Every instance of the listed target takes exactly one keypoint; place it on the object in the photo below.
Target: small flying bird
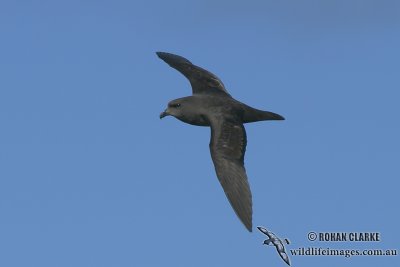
(211, 105)
(274, 240)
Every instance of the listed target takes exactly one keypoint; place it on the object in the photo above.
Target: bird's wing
(228, 146)
(202, 81)
(284, 257)
(263, 230)
(266, 232)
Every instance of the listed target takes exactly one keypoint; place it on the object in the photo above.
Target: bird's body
(211, 105)
(273, 240)
(217, 104)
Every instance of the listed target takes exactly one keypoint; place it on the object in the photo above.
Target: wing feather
(228, 147)
(201, 80)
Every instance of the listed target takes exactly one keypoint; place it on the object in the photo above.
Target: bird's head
(186, 109)
(175, 108)
(267, 242)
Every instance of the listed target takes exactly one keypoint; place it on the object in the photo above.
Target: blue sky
(90, 176)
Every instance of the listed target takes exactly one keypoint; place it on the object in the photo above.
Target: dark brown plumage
(211, 105)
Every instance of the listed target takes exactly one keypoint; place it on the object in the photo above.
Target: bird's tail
(253, 115)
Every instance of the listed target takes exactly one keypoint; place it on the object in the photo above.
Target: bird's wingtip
(277, 117)
(172, 59)
(249, 226)
(263, 230)
(160, 54)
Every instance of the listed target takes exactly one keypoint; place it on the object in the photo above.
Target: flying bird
(211, 105)
(274, 240)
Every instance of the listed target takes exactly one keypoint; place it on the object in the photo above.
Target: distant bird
(276, 242)
(211, 105)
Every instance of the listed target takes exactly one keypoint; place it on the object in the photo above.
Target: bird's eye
(174, 105)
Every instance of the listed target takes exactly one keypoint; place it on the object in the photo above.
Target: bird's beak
(163, 114)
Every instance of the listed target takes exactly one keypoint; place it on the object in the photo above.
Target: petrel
(275, 241)
(211, 105)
